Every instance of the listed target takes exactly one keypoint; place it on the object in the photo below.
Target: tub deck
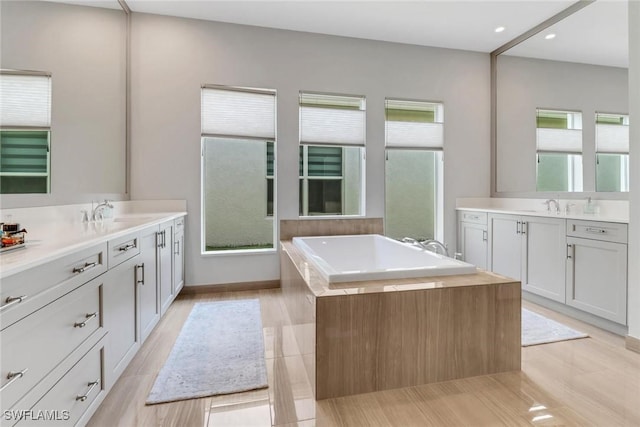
(365, 336)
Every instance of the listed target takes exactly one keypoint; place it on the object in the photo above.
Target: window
(331, 167)
(238, 152)
(612, 152)
(25, 132)
(413, 173)
(559, 150)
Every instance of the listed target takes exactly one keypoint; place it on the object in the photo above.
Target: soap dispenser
(590, 207)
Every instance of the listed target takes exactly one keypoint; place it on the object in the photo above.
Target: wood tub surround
(378, 335)
(290, 228)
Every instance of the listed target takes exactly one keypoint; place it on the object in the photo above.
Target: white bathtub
(374, 257)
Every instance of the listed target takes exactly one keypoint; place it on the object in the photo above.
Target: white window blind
(25, 100)
(559, 131)
(612, 138)
(559, 140)
(332, 119)
(238, 112)
(414, 124)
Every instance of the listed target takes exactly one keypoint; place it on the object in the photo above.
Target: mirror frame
(575, 7)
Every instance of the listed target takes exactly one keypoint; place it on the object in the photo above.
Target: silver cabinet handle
(164, 238)
(127, 247)
(176, 244)
(524, 227)
(85, 267)
(485, 235)
(518, 227)
(140, 267)
(569, 251)
(88, 317)
(9, 301)
(13, 377)
(595, 230)
(91, 386)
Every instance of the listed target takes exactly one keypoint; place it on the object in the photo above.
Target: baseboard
(632, 343)
(224, 287)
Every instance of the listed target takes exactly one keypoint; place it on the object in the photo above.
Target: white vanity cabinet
(597, 268)
(51, 329)
(123, 339)
(70, 324)
(178, 256)
(530, 249)
(473, 237)
(165, 265)
(148, 297)
(505, 245)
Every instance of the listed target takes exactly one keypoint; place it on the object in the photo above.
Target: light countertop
(609, 210)
(58, 238)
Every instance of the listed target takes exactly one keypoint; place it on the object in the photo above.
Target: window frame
(575, 171)
(17, 127)
(624, 178)
(438, 117)
(303, 180)
(242, 252)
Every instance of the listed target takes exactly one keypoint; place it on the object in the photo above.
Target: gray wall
(525, 84)
(84, 50)
(173, 57)
(634, 170)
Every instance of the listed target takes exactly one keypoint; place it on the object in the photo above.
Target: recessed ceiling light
(499, 29)
(550, 36)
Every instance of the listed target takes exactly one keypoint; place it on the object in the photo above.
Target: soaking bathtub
(374, 257)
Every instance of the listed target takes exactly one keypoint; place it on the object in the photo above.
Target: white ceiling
(467, 25)
(597, 34)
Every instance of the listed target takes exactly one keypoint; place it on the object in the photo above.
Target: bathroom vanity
(572, 262)
(359, 337)
(77, 303)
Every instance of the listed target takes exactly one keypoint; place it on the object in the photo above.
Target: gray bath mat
(537, 329)
(220, 350)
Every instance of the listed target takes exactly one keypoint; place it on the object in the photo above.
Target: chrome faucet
(549, 202)
(429, 245)
(435, 246)
(96, 213)
(412, 241)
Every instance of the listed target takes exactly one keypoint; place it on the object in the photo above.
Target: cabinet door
(597, 278)
(146, 283)
(178, 262)
(473, 244)
(119, 296)
(165, 267)
(505, 245)
(544, 249)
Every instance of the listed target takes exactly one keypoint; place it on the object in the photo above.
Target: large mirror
(562, 106)
(83, 51)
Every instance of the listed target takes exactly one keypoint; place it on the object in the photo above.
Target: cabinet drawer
(473, 217)
(26, 292)
(178, 225)
(123, 248)
(73, 395)
(595, 230)
(39, 342)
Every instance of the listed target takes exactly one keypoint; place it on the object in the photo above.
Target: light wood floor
(593, 381)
